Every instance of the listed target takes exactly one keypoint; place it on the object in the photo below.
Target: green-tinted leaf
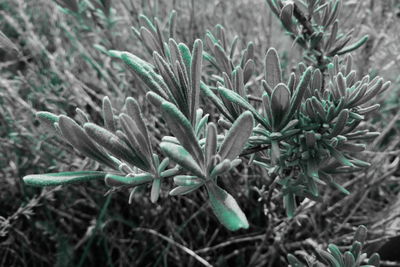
(195, 76)
(108, 114)
(237, 136)
(116, 180)
(280, 101)
(220, 168)
(298, 95)
(171, 24)
(114, 145)
(183, 131)
(133, 110)
(48, 119)
(136, 140)
(290, 204)
(273, 72)
(210, 148)
(181, 156)
(341, 123)
(216, 101)
(226, 208)
(155, 190)
(78, 138)
(155, 99)
(329, 259)
(335, 251)
(61, 178)
(143, 69)
(286, 17)
(183, 190)
(374, 260)
(356, 249)
(237, 99)
(349, 260)
(186, 61)
(354, 46)
(293, 261)
(187, 180)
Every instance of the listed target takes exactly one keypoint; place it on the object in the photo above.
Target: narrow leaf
(114, 145)
(181, 156)
(108, 114)
(195, 76)
(78, 138)
(139, 179)
(273, 72)
(183, 131)
(61, 178)
(183, 190)
(226, 208)
(237, 136)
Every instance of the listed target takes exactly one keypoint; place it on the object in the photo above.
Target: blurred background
(52, 64)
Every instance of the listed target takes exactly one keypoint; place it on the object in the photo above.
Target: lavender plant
(303, 130)
(334, 257)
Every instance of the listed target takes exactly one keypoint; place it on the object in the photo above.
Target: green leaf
(237, 136)
(335, 251)
(329, 259)
(226, 208)
(374, 260)
(155, 190)
(237, 99)
(48, 119)
(341, 123)
(139, 179)
(133, 110)
(181, 156)
(220, 168)
(210, 148)
(61, 178)
(356, 249)
(155, 99)
(171, 24)
(143, 69)
(286, 17)
(354, 46)
(195, 76)
(186, 55)
(349, 260)
(183, 131)
(293, 261)
(136, 140)
(298, 95)
(149, 40)
(187, 180)
(290, 204)
(183, 190)
(216, 101)
(114, 145)
(273, 72)
(78, 138)
(108, 114)
(280, 101)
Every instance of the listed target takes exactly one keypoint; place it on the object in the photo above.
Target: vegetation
(229, 151)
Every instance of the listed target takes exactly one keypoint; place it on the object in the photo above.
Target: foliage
(335, 258)
(219, 119)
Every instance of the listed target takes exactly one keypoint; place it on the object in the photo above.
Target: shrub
(296, 132)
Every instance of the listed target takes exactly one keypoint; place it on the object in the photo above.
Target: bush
(267, 135)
